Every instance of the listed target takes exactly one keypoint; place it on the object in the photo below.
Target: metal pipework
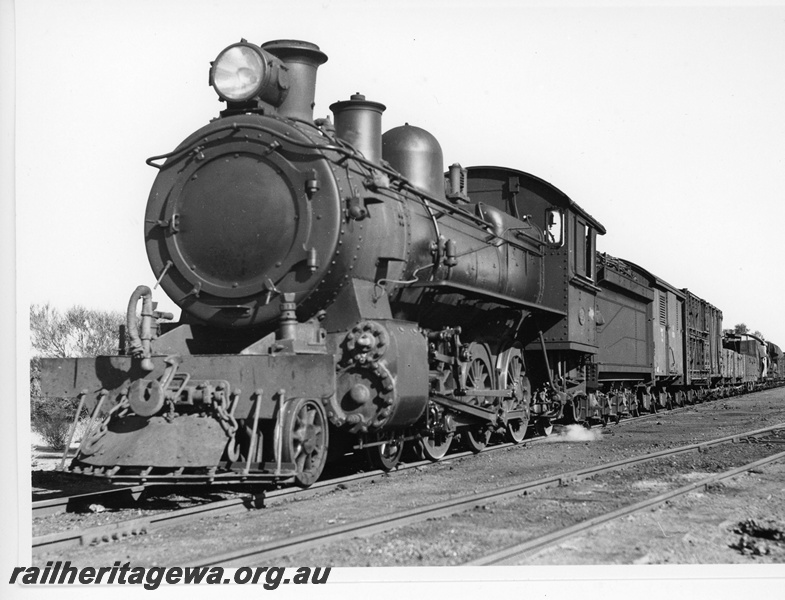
(140, 340)
(140, 346)
(288, 323)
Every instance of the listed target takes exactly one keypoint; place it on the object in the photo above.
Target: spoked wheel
(437, 437)
(515, 430)
(304, 439)
(476, 439)
(385, 456)
(434, 447)
(512, 378)
(479, 376)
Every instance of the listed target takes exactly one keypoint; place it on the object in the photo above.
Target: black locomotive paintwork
(341, 293)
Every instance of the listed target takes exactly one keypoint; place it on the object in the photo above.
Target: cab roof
(542, 188)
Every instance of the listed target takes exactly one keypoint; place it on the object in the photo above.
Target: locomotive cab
(558, 349)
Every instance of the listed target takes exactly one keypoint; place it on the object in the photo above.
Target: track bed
(461, 538)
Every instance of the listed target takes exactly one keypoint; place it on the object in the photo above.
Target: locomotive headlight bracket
(243, 72)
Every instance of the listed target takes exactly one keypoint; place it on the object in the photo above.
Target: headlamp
(244, 71)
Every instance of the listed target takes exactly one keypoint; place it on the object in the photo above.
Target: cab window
(554, 227)
(591, 252)
(584, 249)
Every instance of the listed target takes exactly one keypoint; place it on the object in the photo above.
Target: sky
(665, 123)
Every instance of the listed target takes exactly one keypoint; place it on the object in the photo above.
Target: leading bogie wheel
(385, 456)
(304, 439)
(435, 446)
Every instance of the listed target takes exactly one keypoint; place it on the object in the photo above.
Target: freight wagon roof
(546, 190)
(688, 293)
(653, 279)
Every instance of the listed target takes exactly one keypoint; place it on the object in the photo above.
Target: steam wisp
(575, 433)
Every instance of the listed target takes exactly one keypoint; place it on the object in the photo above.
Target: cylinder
(417, 155)
(302, 59)
(359, 122)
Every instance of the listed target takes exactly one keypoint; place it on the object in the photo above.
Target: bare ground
(695, 529)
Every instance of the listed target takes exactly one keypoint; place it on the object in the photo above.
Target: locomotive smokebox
(417, 155)
(359, 122)
(302, 59)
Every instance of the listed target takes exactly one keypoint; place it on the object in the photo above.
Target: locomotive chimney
(302, 59)
(359, 122)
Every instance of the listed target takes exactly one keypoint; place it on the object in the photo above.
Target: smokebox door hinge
(173, 224)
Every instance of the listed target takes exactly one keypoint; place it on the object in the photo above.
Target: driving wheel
(512, 378)
(478, 377)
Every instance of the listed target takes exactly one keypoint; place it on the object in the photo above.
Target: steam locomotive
(340, 294)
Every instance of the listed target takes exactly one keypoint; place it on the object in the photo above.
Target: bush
(54, 432)
(51, 418)
(78, 331)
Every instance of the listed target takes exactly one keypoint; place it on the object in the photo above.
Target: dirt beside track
(698, 528)
(740, 520)
(462, 537)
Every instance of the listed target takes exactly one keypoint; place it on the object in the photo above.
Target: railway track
(141, 525)
(53, 504)
(144, 524)
(260, 553)
(511, 555)
(59, 504)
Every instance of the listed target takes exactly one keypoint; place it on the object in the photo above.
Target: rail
(145, 524)
(513, 553)
(259, 553)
